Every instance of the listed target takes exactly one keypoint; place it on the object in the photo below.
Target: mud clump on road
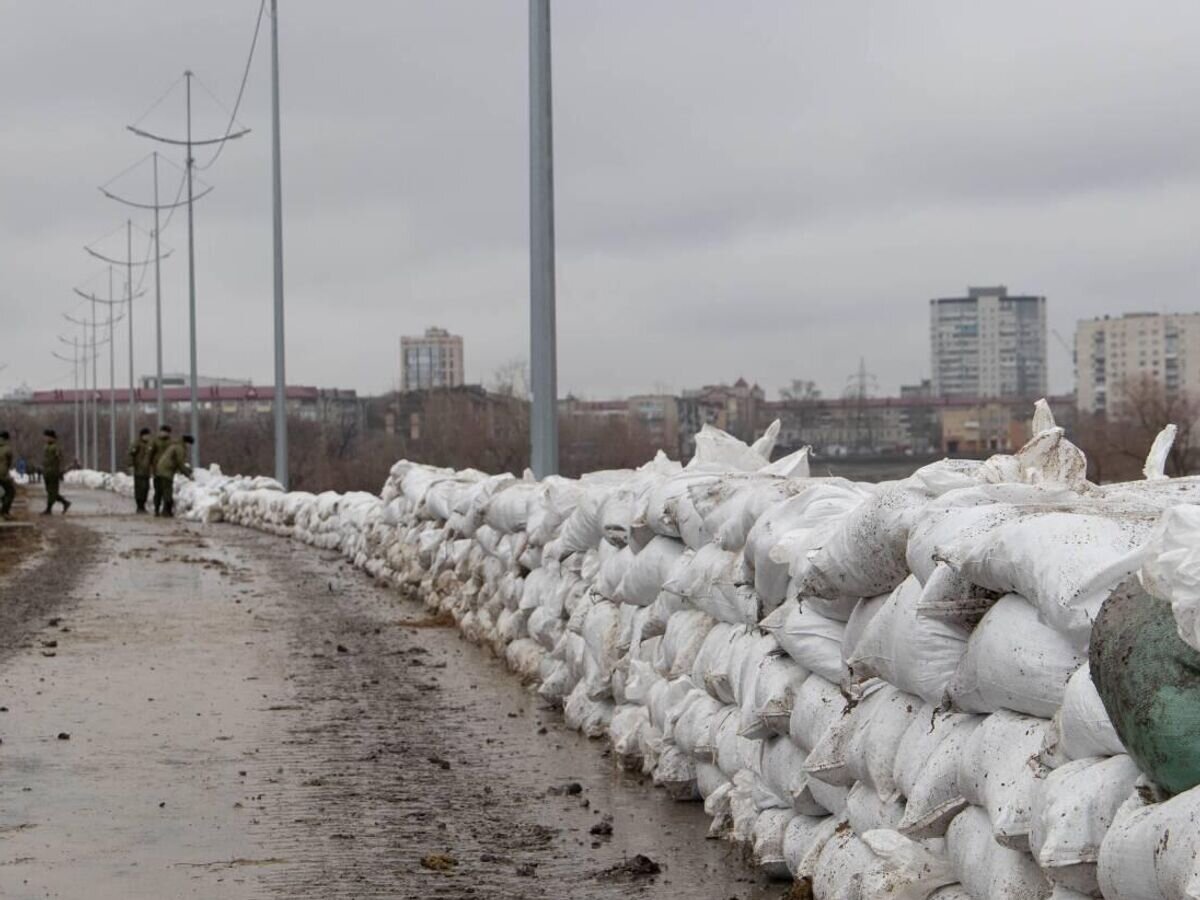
(439, 862)
(635, 868)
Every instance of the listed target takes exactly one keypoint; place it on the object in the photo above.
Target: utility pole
(81, 437)
(157, 259)
(190, 164)
(128, 263)
(73, 359)
(159, 406)
(281, 427)
(95, 440)
(543, 329)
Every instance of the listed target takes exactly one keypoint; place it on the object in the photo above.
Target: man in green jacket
(52, 472)
(172, 462)
(141, 463)
(7, 485)
(159, 447)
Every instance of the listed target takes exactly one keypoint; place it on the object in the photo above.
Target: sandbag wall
(882, 690)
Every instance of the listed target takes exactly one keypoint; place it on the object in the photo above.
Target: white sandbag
(785, 534)
(818, 704)
(926, 770)
(969, 514)
(864, 611)
(647, 573)
(1172, 568)
(867, 811)
(1082, 727)
(508, 509)
(904, 869)
(779, 680)
(682, 641)
(715, 447)
(809, 638)
(676, 774)
(803, 841)
(844, 567)
(714, 581)
(862, 746)
(712, 660)
(874, 742)
(693, 727)
(999, 771)
(1072, 811)
(1014, 662)
(1152, 850)
(767, 844)
(917, 654)
(624, 731)
(1095, 548)
(950, 597)
(843, 859)
(987, 870)
(782, 774)
(592, 717)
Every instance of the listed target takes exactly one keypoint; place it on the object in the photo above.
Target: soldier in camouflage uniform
(7, 486)
(52, 472)
(172, 462)
(141, 463)
(161, 442)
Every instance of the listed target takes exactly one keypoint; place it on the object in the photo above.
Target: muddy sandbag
(1149, 681)
(1152, 850)
(988, 870)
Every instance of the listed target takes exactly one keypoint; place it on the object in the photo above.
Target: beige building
(1113, 354)
(432, 361)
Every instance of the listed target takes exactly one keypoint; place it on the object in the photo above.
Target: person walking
(161, 442)
(8, 488)
(172, 462)
(52, 472)
(141, 464)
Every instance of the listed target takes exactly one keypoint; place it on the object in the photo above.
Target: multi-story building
(988, 344)
(432, 361)
(1116, 355)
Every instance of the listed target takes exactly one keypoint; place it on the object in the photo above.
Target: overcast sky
(767, 188)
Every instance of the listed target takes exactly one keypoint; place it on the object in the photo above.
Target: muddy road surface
(191, 711)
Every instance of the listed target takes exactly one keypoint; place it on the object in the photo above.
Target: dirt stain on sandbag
(439, 862)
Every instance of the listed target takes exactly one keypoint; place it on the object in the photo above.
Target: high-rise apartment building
(1114, 356)
(432, 361)
(988, 344)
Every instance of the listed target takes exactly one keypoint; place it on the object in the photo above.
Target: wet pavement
(205, 711)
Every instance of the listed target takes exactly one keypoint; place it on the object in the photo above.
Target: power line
(241, 90)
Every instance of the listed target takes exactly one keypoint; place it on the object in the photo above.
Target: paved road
(209, 712)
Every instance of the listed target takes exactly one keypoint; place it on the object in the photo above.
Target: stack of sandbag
(879, 690)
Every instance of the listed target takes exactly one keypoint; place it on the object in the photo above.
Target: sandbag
(1072, 811)
(1149, 681)
(1172, 568)
(926, 770)
(999, 771)
(803, 841)
(809, 638)
(1082, 727)
(1013, 662)
(1095, 548)
(1152, 850)
(987, 870)
(648, 571)
(917, 654)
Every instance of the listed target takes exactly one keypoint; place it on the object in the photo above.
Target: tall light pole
(542, 328)
(281, 432)
(190, 144)
(157, 259)
(95, 443)
(128, 262)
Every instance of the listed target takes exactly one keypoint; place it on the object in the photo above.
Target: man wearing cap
(172, 462)
(141, 463)
(52, 471)
(7, 486)
(158, 448)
